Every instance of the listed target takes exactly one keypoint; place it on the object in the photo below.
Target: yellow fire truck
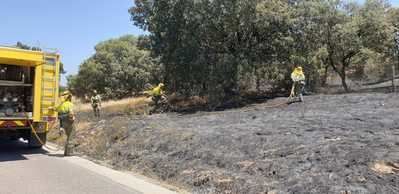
(29, 84)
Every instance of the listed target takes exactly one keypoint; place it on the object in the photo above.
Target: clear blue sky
(393, 2)
(74, 27)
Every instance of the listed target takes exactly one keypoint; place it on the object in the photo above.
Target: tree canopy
(226, 49)
(119, 68)
(213, 47)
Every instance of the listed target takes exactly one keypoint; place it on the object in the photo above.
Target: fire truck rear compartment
(16, 91)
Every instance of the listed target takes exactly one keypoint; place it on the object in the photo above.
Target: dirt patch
(330, 144)
(383, 167)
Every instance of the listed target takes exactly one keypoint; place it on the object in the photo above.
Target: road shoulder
(143, 185)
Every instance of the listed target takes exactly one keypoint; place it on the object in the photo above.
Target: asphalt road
(27, 171)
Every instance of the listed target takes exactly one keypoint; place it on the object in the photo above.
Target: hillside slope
(330, 144)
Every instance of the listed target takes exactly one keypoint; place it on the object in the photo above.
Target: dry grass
(133, 105)
(82, 125)
(85, 121)
(383, 167)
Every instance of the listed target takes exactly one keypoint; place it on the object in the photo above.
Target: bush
(118, 69)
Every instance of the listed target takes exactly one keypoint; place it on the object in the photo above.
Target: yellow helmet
(161, 85)
(299, 68)
(66, 93)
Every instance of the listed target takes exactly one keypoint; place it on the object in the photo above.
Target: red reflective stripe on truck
(9, 124)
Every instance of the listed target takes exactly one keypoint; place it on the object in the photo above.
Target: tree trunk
(343, 79)
(341, 72)
(393, 79)
(325, 76)
(257, 75)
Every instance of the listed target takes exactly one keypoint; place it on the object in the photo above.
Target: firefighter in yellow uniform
(67, 118)
(157, 95)
(96, 103)
(298, 77)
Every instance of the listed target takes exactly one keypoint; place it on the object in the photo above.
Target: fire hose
(284, 103)
(34, 131)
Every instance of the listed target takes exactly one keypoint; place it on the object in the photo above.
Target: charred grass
(330, 144)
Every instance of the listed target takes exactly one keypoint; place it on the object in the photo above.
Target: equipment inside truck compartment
(16, 91)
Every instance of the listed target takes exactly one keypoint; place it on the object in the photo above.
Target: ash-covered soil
(330, 144)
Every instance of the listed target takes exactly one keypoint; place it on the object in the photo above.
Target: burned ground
(327, 145)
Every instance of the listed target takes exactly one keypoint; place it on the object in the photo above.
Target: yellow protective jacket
(157, 91)
(298, 75)
(65, 107)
